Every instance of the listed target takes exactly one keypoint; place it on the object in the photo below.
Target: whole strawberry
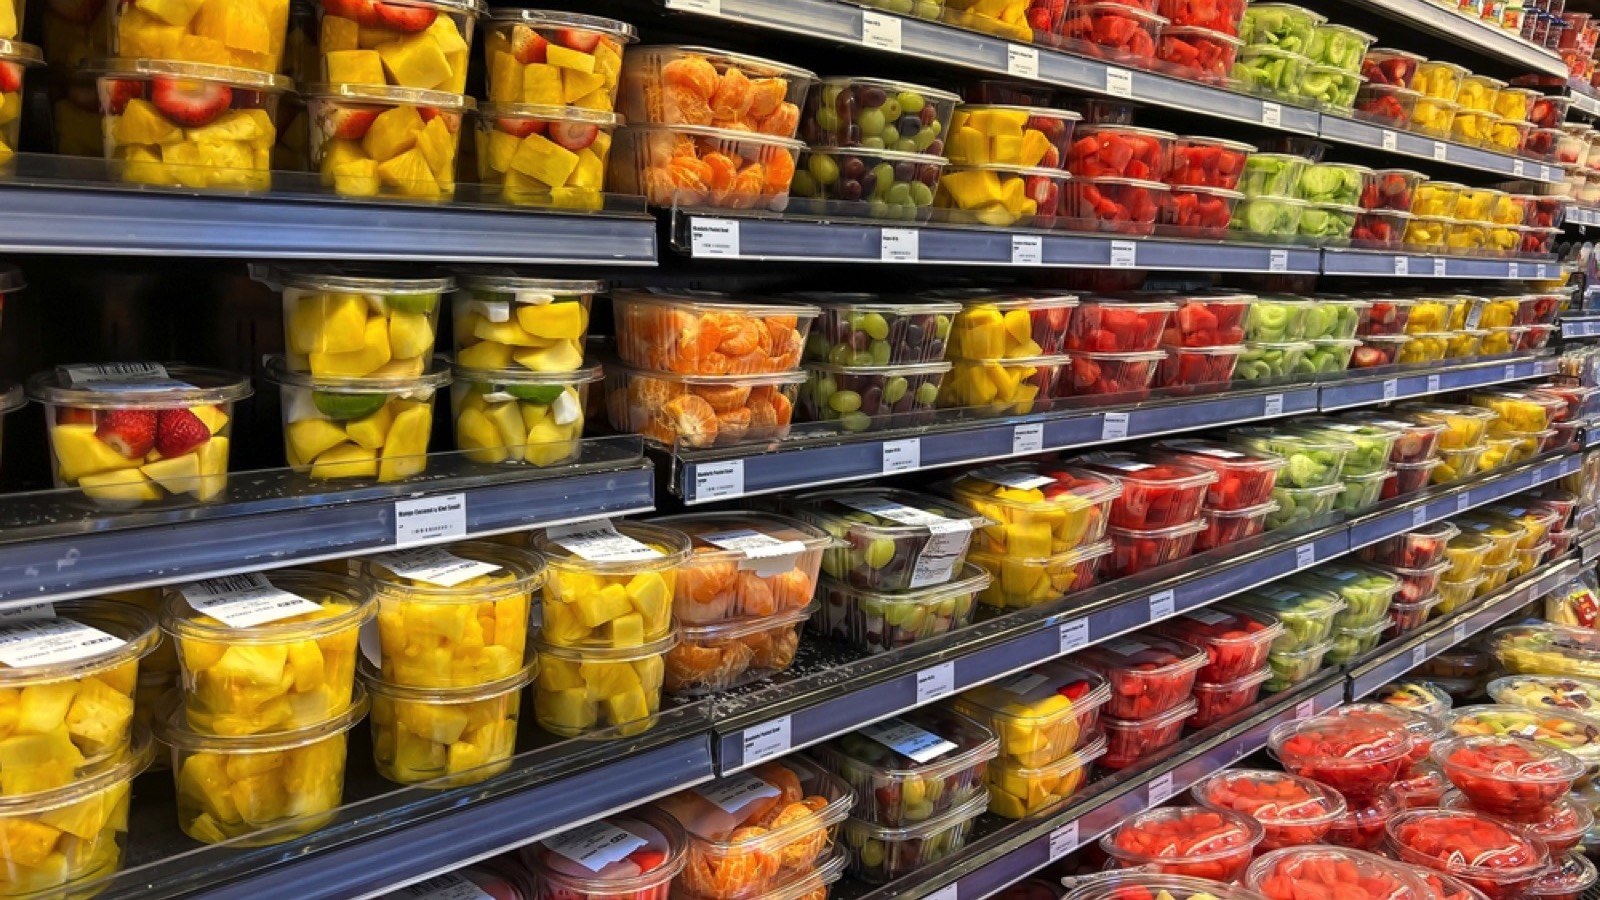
(130, 432)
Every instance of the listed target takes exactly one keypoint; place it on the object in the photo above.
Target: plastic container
(1352, 643)
(874, 184)
(1122, 326)
(991, 326)
(1135, 550)
(1196, 54)
(701, 410)
(1294, 871)
(1572, 877)
(710, 659)
(1295, 667)
(684, 85)
(1418, 696)
(426, 48)
(433, 606)
(1358, 756)
(1439, 839)
(1301, 504)
(1006, 387)
(918, 767)
(1538, 692)
(1405, 618)
(868, 398)
(1546, 111)
(1154, 494)
(445, 737)
(1119, 205)
(1457, 464)
(1216, 702)
(349, 324)
(882, 853)
(664, 332)
(1245, 477)
(1119, 151)
(1419, 581)
(1187, 367)
(249, 671)
(1224, 527)
(1041, 715)
(1386, 104)
(607, 692)
(1002, 196)
(610, 588)
(294, 780)
(745, 566)
(1423, 786)
(1037, 510)
(1292, 811)
(1465, 426)
(1515, 103)
(1148, 674)
(504, 320)
(1026, 136)
(1113, 31)
(890, 533)
(1022, 582)
(687, 166)
(566, 866)
(1574, 733)
(372, 140)
(875, 114)
(1306, 613)
(1507, 776)
(1207, 162)
(1195, 841)
(1465, 344)
(1016, 792)
(1508, 136)
(1128, 741)
(519, 147)
(1388, 316)
(1197, 212)
(1313, 461)
(1387, 66)
(493, 411)
(876, 621)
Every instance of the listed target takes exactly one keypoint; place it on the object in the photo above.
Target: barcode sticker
(599, 541)
(1126, 647)
(244, 601)
(1277, 260)
(1208, 616)
(1024, 684)
(1273, 406)
(1305, 709)
(448, 886)
(947, 538)
(763, 553)
(1022, 62)
(908, 740)
(716, 480)
(1021, 480)
(596, 845)
(714, 238)
(1391, 388)
(1440, 268)
(434, 565)
(1402, 265)
(1305, 556)
(42, 642)
(27, 612)
(120, 377)
(1074, 635)
(1119, 82)
(733, 793)
(424, 519)
(1441, 151)
(1433, 384)
(1124, 255)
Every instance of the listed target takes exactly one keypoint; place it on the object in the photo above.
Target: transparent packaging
(1001, 326)
(614, 691)
(699, 411)
(445, 737)
(1196, 841)
(1022, 582)
(1536, 692)
(1576, 734)
(1293, 667)
(1016, 792)
(1215, 702)
(646, 873)
(1154, 495)
(1419, 549)
(356, 428)
(745, 565)
(1148, 674)
(514, 416)
(868, 331)
(1245, 477)
(546, 156)
(713, 658)
(1135, 550)
(369, 140)
(1286, 874)
(1507, 776)
(597, 598)
(1441, 839)
(1292, 811)
(1225, 527)
(1130, 740)
(1041, 715)
(895, 788)
(1312, 461)
(1236, 639)
(1038, 510)
(685, 85)
(889, 532)
(882, 853)
(689, 166)
(876, 114)
(877, 621)
(1358, 756)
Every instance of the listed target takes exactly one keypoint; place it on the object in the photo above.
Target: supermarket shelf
(1442, 22)
(55, 544)
(1364, 392)
(1580, 327)
(1589, 547)
(1407, 265)
(1397, 658)
(1587, 104)
(1580, 215)
(1407, 143)
(917, 38)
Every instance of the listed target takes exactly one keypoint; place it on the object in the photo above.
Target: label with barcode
(42, 642)
(28, 611)
(714, 238)
(1390, 140)
(1160, 790)
(715, 480)
(1441, 151)
(1126, 647)
(434, 565)
(1419, 517)
(1124, 254)
(120, 377)
(1305, 556)
(1119, 82)
(908, 740)
(1063, 840)
(448, 886)
(1024, 684)
(1433, 384)
(1028, 438)
(1517, 168)
(947, 538)
(935, 682)
(756, 546)
(1391, 388)
(424, 519)
(900, 245)
(1277, 260)
(1463, 501)
(1273, 405)
(1192, 446)
(1162, 605)
(1512, 271)
(599, 541)
(1305, 709)
(1021, 480)
(596, 845)
(762, 742)
(244, 601)
(735, 792)
(1114, 426)
(1208, 616)
(1074, 635)
(1419, 655)
(1271, 115)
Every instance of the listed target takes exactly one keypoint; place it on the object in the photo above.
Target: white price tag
(1305, 709)
(1433, 384)
(899, 245)
(948, 892)
(1273, 406)
(1022, 62)
(1305, 556)
(1419, 655)
(1027, 250)
(41, 642)
(1511, 371)
(1391, 388)
(1419, 516)
(763, 554)
(1441, 151)
(735, 792)
(1402, 265)
(1028, 438)
(1063, 840)
(1518, 169)
(448, 886)
(1114, 426)
(1463, 501)
(599, 541)
(939, 681)
(879, 31)
(1074, 635)
(902, 456)
(435, 565)
(1160, 789)
(713, 481)
(1119, 82)
(1277, 260)
(1539, 272)
(907, 739)
(1390, 141)
(28, 611)
(1124, 254)
(1513, 270)
(1440, 268)
(1162, 605)
(595, 845)
(429, 519)
(1458, 634)
(244, 601)
(1271, 115)
(714, 238)
(763, 742)
(1544, 173)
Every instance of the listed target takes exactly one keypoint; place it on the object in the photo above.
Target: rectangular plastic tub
(1022, 582)
(1236, 639)
(1366, 591)
(1299, 504)
(712, 658)
(697, 333)
(701, 410)
(878, 621)
(1405, 618)
(1009, 326)
(913, 768)
(1154, 495)
(882, 853)
(1227, 526)
(1294, 667)
(683, 85)
(865, 330)
(1351, 643)
(745, 566)
(869, 398)
(1010, 387)
(1216, 702)
(1307, 613)
(1148, 673)
(1041, 715)
(1360, 492)
(1128, 741)
(1017, 791)
(1038, 510)
(896, 539)
(1313, 461)
(1135, 550)
(670, 165)
(1245, 477)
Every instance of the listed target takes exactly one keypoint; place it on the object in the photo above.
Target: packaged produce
(1361, 492)
(1339, 46)
(1292, 811)
(610, 585)
(1547, 111)
(1294, 872)
(1427, 233)
(877, 114)
(1425, 347)
(1361, 827)
(1224, 527)
(567, 867)
(1465, 344)
(1329, 225)
(512, 416)
(880, 184)
(1280, 25)
(701, 410)
(504, 321)
(544, 156)
(1041, 715)
(1011, 136)
(882, 853)
(1515, 103)
(897, 777)
(1207, 162)
(1457, 464)
(1501, 859)
(1196, 841)
(1003, 196)
(1508, 136)
(1465, 426)
(1236, 639)
(876, 621)
(1216, 702)
(1387, 66)
(679, 85)
(1123, 326)
(1276, 319)
(1408, 478)
(1507, 776)
(1281, 175)
(1148, 674)
(1300, 504)
(1020, 582)
(445, 736)
(1472, 127)
(1356, 755)
(369, 140)
(1329, 87)
(1245, 476)
(357, 427)
(1128, 741)
(1196, 212)
(615, 691)
(1196, 54)
(1117, 151)
(1574, 604)
(1379, 230)
(1295, 667)
(1195, 366)
(1385, 104)
(1417, 583)
(1010, 387)
(994, 327)
(1121, 205)
(1479, 92)
(1437, 198)
(1268, 360)
(1433, 117)
(1312, 460)
(1419, 696)
(1136, 883)
(1540, 143)
(1307, 613)
(1351, 643)
(1569, 879)
(714, 658)
(1420, 787)
(1038, 510)
(867, 398)
(1016, 791)
(1223, 17)
(1576, 734)
(1388, 316)
(1113, 31)
(673, 332)
(697, 166)
(1389, 189)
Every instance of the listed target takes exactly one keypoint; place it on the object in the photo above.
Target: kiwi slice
(347, 407)
(412, 303)
(535, 393)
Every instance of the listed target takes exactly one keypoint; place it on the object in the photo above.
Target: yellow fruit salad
(246, 34)
(373, 429)
(611, 585)
(192, 125)
(1438, 79)
(1036, 513)
(545, 155)
(445, 737)
(515, 416)
(550, 58)
(350, 324)
(453, 616)
(1016, 792)
(408, 43)
(1517, 411)
(1041, 715)
(266, 653)
(375, 141)
(14, 58)
(1011, 387)
(586, 690)
(505, 321)
(127, 434)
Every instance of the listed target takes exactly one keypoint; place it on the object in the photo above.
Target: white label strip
(879, 31)
(908, 740)
(763, 742)
(1022, 62)
(1277, 261)
(1119, 82)
(430, 519)
(448, 886)
(596, 845)
(938, 681)
(735, 792)
(1271, 115)
(1028, 438)
(714, 238)
(1027, 250)
(599, 541)
(1162, 605)
(902, 456)
(45, 642)
(244, 601)
(1063, 840)
(1160, 790)
(434, 565)
(717, 480)
(1124, 255)
(1074, 635)
(900, 245)
(1114, 426)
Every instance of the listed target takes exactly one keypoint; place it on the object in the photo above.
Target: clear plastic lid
(845, 302)
(549, 18)
(351, 280)
(115, 770)
(1043, 694)
(1171, 532)
(18, 52)
(1577, 734)
(1040, 111)
(1324, 868)
(748, 539)
(1135, 884)
(613, 547)
(1132, 12)
(1017, 171)
(889, 156)
(405, 575)
(1194, 835)
(1056, 562)
(1571, 876)
(977, 299)
(342, 603)
(1242, 683)
(1355, 739)
(605, 858)
(1131, 467)
(598, 117)
(1156, 722)
(962, 812)
(1421, 696)
(969, 580)
(1218, 455)
(757, 379)
(595, 654)
(1005, 485)
(1144, 656)
(1507, 758)
(890, 87)
(927, 743)
(151, 386)
(1157, 186)
(900, 369)
(1296, 600)
(1273, 440)
(1249, 512)
(718, 816)
(82, 638)
(751, 66)
(1115, 356)
(887, 513)
(1457, 840)
(246, 79)
(525, 384)
(172, 728)
(388, 94)
(708, 302)
(1537, 692)
(437, 376)
(444, 696)
(1269, 797)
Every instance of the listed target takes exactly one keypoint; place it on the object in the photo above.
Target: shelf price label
(1063, 840)
(1114, 426)
(1272, 405)
(1160, 789)
(1027, 250)
(1440, 268)
(948, 892)
(1391, 141)
(900, 245)
(1433, 384)
(708, 7)
(1441, 151)
(1402, 265)
(1518, 170)
(938, 681)
(1419, 655)
(429, 519)
(1028, 438)
(714, 238)
(1539, 272)
(1305, 709)
(1391, 388)
(1305, 556)
(1022, 62)
(902, 456)
(1463, 501)
(1163, 605)
(1277, 260)
(1124, 254)
(1544, 173)
(1511, 371)
(1419, 516)
(1119, 82)
(714, 481)
(1458, 633)
(1074, 635)
(763, 742)
(1513, 270)
(1271, 115)
(879, 32)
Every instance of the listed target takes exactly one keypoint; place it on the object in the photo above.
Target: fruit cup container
(750, 835)
(697, 166)
(1570, 878)
(362, 428)
(1467, 553)
(1425, 347)
(1561, 825)
(1328, 225)
(1002, 196)
(1416, 442)
(878, 621)
(550, 58)
(1269, 71)
(1313, 460)
(1366, 591)
(1280, 25)
(421, 44)
(1538, 242)
(1113, 31)
(1268, 219)
(1008, 387)
(568, 867)
(1148, 673)
(1037, 511)
(1119, 151)
(1225, 527)
(1505, 859)
(1121, 374)
(1371, 444)
(1545, 212)
(348, 324)
(1387, 316)
(1507, 136)
(1507, 776)
(1120, 326)
(1473, 127)
(1222, 17)
(186, 124)
(1245, 476)
(613, 592)
(1293, 667)
(1137, 883)
(1328, 355)
(253, 39)
(1479, 93)
(889, 532)
(1154, 495)
(930, 10)
(1540, 309)
(1541, 143)
(1273, 175)
(1464, 426)
(1417, 696)
(1207, 162)
(1130, 741)
(1361, 827)
(1119, 205)
(1515, 103)
(1430, 315)
(1195, 841)
(544, 155)
(378, 141)
(869, 398)
(433, 609)
(1427, 234)
(873, 184)
(1208, 320)
(1547, 111)
(711, 659)
(1360, 492)
(1510, 209)
(1385, 104)
(1422, 786)
(1299, 504)
(1352, 643)
(1196, 212)
(1328, 87)
(876, 114)
(1275, 319)
(14, 58)
(506, 321)
(672, 333)
(1292, 811)
(1419, 582)
(683, 85)
(1216, 702)
(1016, 792)
(1299, 871)
(1008, 326)
(1030, 137)
(444, 737)
(1467, 238)
(615, 692)
(130, 434)
(1236, 639)
(882, 853)
(1195, 366)
(1041, 715)
(1503, 240)
(1436, 198)
(1357, 756)
(1340, 47)
(1021, 582)
(1576, 734)
(1271, 360)
(1196, 54)
(295, 780)
(1379, 230)
(701, 410)
(1529, 560)
(1405, 618)
(1476, 204)
(1390, 189)
(1134, 550)
(896, 781)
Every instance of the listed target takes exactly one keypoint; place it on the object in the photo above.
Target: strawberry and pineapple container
(553, 58)
(375, 140)
(635, 854)
(544, 155)
(14, 58)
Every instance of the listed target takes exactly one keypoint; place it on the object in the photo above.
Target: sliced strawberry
(578, 39)
(130, 432)
(10, 77)
(574, 135)
(118, 92)
(350, 124)
(520, 128)
(429, 113)
(83, 12)
(527, 45)
(404, 17)
(190, 102)
(364, 12)
(179, 431)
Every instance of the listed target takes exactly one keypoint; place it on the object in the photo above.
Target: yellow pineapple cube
(410, 175)
(43, 707)
(26, 842)
(238, 25)
(141, 123)
(416, 61)
(100, 716)
(338, 34)
(541, 84)
(505, 78)
(392, 133)
(355, 67)
(567, 711)
(405, 452)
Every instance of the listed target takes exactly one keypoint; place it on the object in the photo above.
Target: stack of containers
(1156, 519)
(158, 672)
(1152, 681)
(1547, 114)
(1238, 503)
(637, 853)
(1383, 332)
(1413, 457)
(1236, 641)
(545, 133)
(1123, 33)
(1433, 209)
(1387, 98)
(1334, 191)
(1428, 326)
(15, 56)
(74, 749)
(1576, 401)
(1366, 466)
(1330, 326)
(1521, 426)
(1007, 352)
(1538, 520)
(1385, 208)
(991, 145)
(1419, 560)
(1118, 175)
(1505, 537)
(875, 362)
(267, 700)
(1469, 234)
(1506, 218)
(1475, 117)
(919, 780)
(1367, 594)
(452, 659)
(1333, 80)
(1501, 318)
(1563, 504)
(1461, 443)
(1359, 752)
(1307, 614)
(1114, 344)
(1510, 133)
(678, 389)
(1204, 339)
(1202, 181)
(1201, 40)
(1468, 553)
(1047, 721)
(1271, 209)
(1310, 481)
(607, 625)
(1437, 83)
(1273, 61)
(357, 379)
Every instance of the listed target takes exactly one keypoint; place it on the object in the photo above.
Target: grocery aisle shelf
(1582, 215)
(1407, 143)
(1375, 263)
(1393, 660)
(1588, 105)
(1589, 547)
(57, 544)
(1357, 390)
(1444, 501)
(1442, 21)
(1580, 326)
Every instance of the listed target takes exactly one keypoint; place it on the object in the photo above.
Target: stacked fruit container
(1240, 500)
(1007, 352)
(1152, 681)
(877, 362)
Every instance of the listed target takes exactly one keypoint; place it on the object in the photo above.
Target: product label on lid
(244, 601)
(1282, 595)
(1025, 481)
(1342, 577)
(1516, 512)
(1128, 466)
(1209, 616)
(1203, 450)
(448, 886)
(599, 541)
(120, 377)
(43, 642)
(762, 552)
(1126, 647)
(1024, 684)
(595, 845)
(1474, 314)
(1526, 731)
(434, 565)
(908, 740)
(733, 794)
(947, 538)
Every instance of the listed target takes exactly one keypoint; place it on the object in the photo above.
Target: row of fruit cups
(1297, 56)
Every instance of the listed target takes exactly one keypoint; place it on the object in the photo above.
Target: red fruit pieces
(1378, 230)
(1498, 859)
(1154, 494)
(1395, 71)
(1293, 811)
(351, 123)
(404, 17)
(1236, 643)
(130, 432)
(179, 431)
(1100, 151)
(1207, 321)
(118, 91)
(1187, 840)
(1383, 108)
(1192, 367)
(1113, 326)
(1123, 206)
(1136, 551)
(1506, 775)
(1243, 479)
(1127, 375)
(1205, 163)
(1216, 702)
(1217, 15)
(578, 39)
(1148, 675)
(1544, 212)
(1548, 112)
(1328, 874)
(1387, 317)
(528, 46)
(1356, 756)
(1197, 54)
(1388, 190)
(1128, 742)
(190, 102)
(1198, 212)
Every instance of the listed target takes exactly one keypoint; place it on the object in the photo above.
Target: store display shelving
(1580, 326)
(1472, 34)
(1584, 102)
(1582, 215)
(1347, 130)
(1371, 263)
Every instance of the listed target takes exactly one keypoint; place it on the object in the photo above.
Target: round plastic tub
(425, 45)
(1357, 756)
(1041, 715)
(1022, 582)
(1505, 859)
(874, 184)
(1507, 776)
(1422, 786)
(701, 410)
(877, 621)
(881, 853)
(684, 85)
(349, 324)
(248, 670)
(615, 691)
(264, 788)
(444, 737)
(1194, 841)
(1130, 740)
(894, 788)
(364, 428)
(1016, 792)
(1135, 550)
(1216, 702)
(688, 165)
(1292, 811)
(1361, 827)
(493, 411)
(433, 607)
(519, 146)
(1294, 872)
(1574, 733)
(887, 531)
(568, 867)
(503, 320)
(1538, 692)
(369, 140)
(1572, 876)
(613, 590)
(876, 114)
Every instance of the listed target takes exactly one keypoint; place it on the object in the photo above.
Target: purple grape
(872, 97)
(926, 115)
(936, 148)
(869, 184)
(850, 189)
(904, 172)
(853, 167)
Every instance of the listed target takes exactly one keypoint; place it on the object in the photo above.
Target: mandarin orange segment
(693, 73)
(766, 95)
(783, 122)
(733, 96)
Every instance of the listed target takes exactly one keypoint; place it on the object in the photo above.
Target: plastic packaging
(876, 114)
(610, 587)
(564, 866)
(1510, 859)
(1130, 740)
(898, 539)
(610, 691)
(1016, 792)
(445, 737)
(894, 787)
(1292, 811)
(1041, 715)
(1195, 841)
(1507, 776)
(682, 85)
(882, 853)
(503, 320)
(701, 410)
(876, 621)
(1356, 755)
(1216, 702)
